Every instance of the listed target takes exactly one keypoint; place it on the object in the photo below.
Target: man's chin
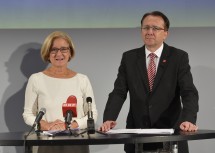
(151, 45)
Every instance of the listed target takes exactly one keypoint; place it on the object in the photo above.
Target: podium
(17, 139)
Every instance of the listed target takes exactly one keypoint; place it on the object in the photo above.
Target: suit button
(150, 106)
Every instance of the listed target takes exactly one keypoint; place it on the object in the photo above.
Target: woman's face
(59, 53)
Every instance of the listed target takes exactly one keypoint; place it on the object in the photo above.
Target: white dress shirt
(157, 52)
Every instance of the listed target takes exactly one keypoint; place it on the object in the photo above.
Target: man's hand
(188, 126)
(107, 125)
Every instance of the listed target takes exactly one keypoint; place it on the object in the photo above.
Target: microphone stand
(91, 128)
(38, 129)
(69, 129)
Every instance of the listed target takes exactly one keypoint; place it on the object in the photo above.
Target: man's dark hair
(160, 14)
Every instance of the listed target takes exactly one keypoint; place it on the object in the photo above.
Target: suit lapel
(162, 65)
(141, 64)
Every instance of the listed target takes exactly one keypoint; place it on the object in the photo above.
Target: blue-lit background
(102, 13)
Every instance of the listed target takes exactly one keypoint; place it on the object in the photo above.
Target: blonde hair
(48, 42)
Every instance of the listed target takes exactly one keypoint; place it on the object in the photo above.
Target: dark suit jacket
(174, 98)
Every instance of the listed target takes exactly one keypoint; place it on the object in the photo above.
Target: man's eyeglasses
(154, 28)
(62, 50)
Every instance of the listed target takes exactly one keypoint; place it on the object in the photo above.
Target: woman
(50, 88)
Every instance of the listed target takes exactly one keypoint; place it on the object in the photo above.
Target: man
(162, 93)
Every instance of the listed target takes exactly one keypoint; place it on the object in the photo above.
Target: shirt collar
(157, 52)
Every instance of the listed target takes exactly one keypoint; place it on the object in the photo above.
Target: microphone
(90, 121)
(69, 109)
(37, 120)
(39, 116)
(89, 102)
(68, 117)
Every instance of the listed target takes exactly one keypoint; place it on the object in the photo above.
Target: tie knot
(152, 55)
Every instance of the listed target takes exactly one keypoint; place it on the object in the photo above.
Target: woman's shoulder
(36, 75)
(82, 76)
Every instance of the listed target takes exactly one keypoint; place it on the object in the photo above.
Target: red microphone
(70, 105)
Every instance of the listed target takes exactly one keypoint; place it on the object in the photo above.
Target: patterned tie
(151, 70)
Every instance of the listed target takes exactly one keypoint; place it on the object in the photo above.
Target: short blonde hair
(48, 42)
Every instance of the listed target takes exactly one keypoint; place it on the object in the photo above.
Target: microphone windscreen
(71, 99)
(43, 110)
(89, 99)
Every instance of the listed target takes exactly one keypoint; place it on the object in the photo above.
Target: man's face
(153, 32)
